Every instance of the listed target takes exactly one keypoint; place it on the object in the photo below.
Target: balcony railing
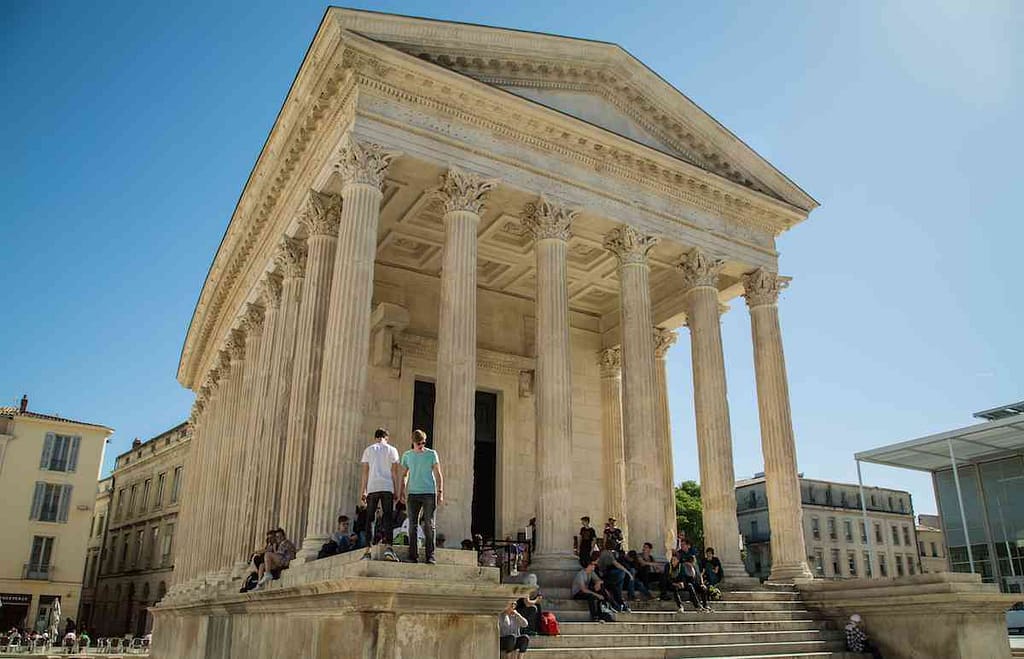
(38, 572)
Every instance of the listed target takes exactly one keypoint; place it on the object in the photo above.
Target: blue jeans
(635, 583)
(613, 579)
(425, 504)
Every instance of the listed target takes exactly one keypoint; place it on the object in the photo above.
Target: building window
(125, 541)
(39, 566)
(112, 555)
(899, 566)
(873, 504)
(906, 536)
(848, 530)
(168, 545)
(152, 557)
(837, 569)
(842, 499)
(810, 493)
(145, 495)
(863, 533)
(828, 496)
(878, 534)
(883, 569)
(920, 546)
(935, 552)
(159, 501)
(119, 511)
(903, 508)
(753, 529)
(131, 498)
(176, 485)
(100, 521)
(60, 453)
(819, 562)
(910, 565)
(140, 543)
(851, 561)
(832, 528)
(815, 528)
(50, 503)
(867, 564)
(895, 536)
(890, 503)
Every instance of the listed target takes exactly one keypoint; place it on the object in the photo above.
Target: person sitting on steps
(586, 586)
(511, 638)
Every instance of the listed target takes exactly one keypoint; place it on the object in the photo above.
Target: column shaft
(614, 462)
(248, 447)
(233, 441)
(188, 505)
(663, 341)
(266, 387)
(335, 477)
(785, 515)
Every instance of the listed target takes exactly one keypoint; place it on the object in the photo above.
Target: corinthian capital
(700, 269)
(464, 191)
(212, 378)
(321, 214)
(291, 257)
(363, 162)
(663, 340)
(762, 287)
(252, 319)
(629, 245)
(270, 291)
(610, 361)
(547, 219)
(236, 345)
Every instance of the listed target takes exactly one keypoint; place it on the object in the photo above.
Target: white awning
(978, 443)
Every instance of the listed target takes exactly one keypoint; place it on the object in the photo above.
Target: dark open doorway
(485, 454)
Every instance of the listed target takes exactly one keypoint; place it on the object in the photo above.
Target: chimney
(24, 403)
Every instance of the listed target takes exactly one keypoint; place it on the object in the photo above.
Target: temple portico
(458, 244)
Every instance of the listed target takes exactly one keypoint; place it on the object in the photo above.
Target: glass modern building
(978, 475)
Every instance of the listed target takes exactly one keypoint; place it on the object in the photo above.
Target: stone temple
(494, 236)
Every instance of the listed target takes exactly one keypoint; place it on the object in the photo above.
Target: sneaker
(390, 555)
(682, 610)
(431, 561)
(262, 583)
(366, 556)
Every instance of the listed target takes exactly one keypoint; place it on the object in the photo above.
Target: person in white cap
(857, 638)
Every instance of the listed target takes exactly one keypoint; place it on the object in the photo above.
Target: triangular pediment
(596, 82)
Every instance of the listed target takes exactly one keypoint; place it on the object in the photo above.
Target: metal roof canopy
(978, 443)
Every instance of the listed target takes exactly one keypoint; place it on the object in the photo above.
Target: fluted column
(645, 512)
(782, 484)
(663, 340)
(220, 460)
(711, 408)
(208, 474)
(188, 506)
(550, 225)
(270, 294)
(455, 404)
(232, 450)
(614, 463)
(335, 478)
(291, 261)
(320, 217)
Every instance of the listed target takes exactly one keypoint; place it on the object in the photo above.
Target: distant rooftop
(23, 411)
(1001, 412)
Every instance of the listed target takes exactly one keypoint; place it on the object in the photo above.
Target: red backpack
(548, 624)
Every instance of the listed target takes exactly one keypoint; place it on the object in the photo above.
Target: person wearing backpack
(510, 630)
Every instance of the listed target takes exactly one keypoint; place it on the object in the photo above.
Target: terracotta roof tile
(11, 412)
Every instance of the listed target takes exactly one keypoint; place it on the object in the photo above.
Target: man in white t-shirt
(379, 481)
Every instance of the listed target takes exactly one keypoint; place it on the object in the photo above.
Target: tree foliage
(689, 513)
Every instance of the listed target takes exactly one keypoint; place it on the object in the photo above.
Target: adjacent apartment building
(135, 564)
(94, 551)
(839, 543)
(49, 466)
(931, 545)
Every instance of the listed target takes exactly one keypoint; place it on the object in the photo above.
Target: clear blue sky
(128, 130)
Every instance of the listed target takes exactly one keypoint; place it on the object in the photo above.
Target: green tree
(689, 513)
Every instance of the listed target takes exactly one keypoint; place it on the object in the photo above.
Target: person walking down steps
(423, 485)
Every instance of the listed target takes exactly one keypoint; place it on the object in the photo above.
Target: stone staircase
(752, 624)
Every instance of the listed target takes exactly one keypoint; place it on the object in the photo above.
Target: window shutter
(44, 463)
(37, 500)
(65, 503)
(73, 453)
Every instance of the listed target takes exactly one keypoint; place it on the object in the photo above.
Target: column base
(736, 577)
(788, 574)
(310, 549)
(554, 571)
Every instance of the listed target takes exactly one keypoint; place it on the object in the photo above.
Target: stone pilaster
(550, 224)
(711, 408)
(455, 406)
(645, 511)
(320, 217)
(335, 477)
(270, 298)
(189, 505)
(785, 515)
(291, 261)
(663, 340)
(614, 462)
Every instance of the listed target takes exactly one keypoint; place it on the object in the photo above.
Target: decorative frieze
(321, 214)
(544, 219)
(700, 269)
(630, 246)
(464, 191)
(414, 346)
(762, 287)
(363, 162)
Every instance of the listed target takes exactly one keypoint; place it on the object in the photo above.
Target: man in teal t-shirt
(423, 485)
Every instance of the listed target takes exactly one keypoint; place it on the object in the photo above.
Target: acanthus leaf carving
(464, 191)
(291, 257)
(610, 361)
(321, 214)
(699, 269)
(270, 291)
(546, 219)
(762, 287)
(629, 245)
(663, 340)
(252, 319)
(363, 163)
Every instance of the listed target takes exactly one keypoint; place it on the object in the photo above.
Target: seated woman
(695, 584)
(276, 558)
(510, 631)
(712, 570)
(529, 607)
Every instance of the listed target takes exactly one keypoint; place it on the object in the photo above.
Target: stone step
(773, 595)
(707, 624)
(817, 648)
(720, 605)
(588, 640)
(582, 615)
